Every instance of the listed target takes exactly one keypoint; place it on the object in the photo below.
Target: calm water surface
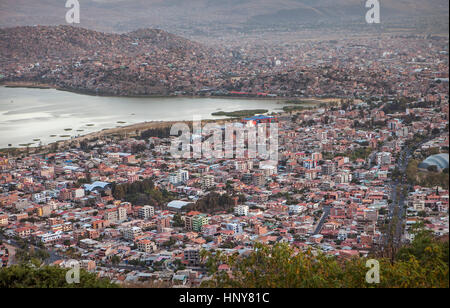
(33, 116)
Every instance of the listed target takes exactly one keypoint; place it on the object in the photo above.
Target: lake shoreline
(38, 85)
(141, 124)
(123, 130)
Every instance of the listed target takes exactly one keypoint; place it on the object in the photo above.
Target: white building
(207, 181)
(181, 176)
(146, 212)
(146, 246)
(237, 228)
(132, 233)
(296, 209)
(241, 210)
(344, 177)
(50, 237)
(384, 158)
(122, 214)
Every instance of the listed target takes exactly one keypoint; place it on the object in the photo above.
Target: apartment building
(241, 210)
(3, 220)
(146, 212)
(122, 214)
(111, 215)
(207, 182)
(179, 177)
(146, 246)
(132, 233)
(192, 256)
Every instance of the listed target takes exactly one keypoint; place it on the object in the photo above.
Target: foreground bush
(422, 265)
(30, 276)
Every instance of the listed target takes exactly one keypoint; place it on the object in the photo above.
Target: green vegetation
(295, 101)
(115, 260)
(177, 221)
(11, 151)
(33, 276)
(213, 203)
(423, 264)
(290, 200)
(362, 152)
(295, 108)
(162, 132)
(240, 113)
(141, 193)
(397, 105)
(168, 244)
(358, 153)
(26, 255)
(425, 248)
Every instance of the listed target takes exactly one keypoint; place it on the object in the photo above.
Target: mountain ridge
(67, 41)
(201, 15)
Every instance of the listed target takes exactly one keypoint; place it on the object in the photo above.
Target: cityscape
(348, 168)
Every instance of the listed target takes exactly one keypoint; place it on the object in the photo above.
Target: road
(399, 191)
(326, 213)
(11, 252)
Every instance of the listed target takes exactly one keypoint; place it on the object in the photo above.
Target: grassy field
(240, 113)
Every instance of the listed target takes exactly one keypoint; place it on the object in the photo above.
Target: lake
(34, 116)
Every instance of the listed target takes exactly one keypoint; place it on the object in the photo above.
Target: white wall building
(241, 210)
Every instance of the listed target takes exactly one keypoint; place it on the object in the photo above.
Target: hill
(142, 62)
(66, 42)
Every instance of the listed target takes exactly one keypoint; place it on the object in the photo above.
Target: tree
(435, 131)
(212, 203)
(31, 276)
(25, 256)
(432, 168)
(119, 192)
(140, 193)
(177, 221)
(281, 266)
(115, 260)
(172, 241)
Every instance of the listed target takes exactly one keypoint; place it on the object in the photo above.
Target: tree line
(423, 264)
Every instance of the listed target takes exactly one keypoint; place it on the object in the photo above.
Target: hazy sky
(207, 15)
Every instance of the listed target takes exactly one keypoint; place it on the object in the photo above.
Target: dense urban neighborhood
(354, 177)
(154, 62)
(336, 157)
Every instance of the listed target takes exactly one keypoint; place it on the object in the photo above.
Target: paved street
(326, 213)
(399, 190)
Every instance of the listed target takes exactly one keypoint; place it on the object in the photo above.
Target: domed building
(439, 160)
